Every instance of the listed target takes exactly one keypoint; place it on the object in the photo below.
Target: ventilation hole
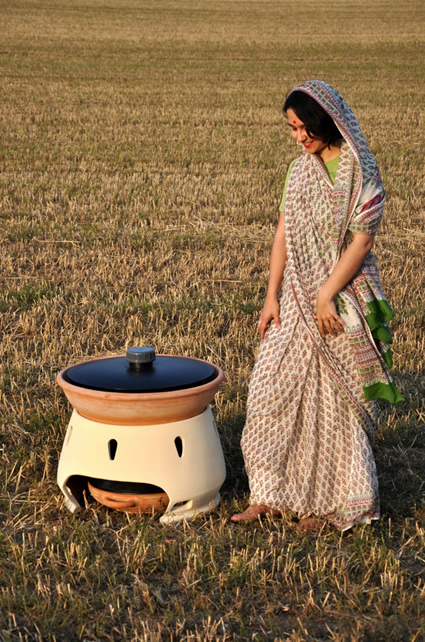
(179, 446)
(112, 447)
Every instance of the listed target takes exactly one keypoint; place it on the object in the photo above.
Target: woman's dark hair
(317, 121)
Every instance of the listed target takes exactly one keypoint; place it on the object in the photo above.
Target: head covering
(334, 105)
(366, 185)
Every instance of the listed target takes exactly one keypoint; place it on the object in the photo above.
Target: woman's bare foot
(254, 512)
(310, 525)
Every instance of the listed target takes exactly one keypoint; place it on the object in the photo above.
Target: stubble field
(143, 153)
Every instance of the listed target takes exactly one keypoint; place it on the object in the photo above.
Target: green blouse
(331, 167)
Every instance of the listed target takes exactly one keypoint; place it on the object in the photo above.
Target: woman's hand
(270, 312)
(327, 317)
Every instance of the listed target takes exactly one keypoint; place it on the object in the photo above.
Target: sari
(312, 411)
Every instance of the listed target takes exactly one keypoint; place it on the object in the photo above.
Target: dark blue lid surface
(164, 374)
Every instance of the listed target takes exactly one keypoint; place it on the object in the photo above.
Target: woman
(324, 357)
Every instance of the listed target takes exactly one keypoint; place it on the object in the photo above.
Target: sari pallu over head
(354, 204)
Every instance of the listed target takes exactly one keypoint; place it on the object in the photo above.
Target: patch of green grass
(25, 297)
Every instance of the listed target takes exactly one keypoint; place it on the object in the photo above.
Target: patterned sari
(312, 413)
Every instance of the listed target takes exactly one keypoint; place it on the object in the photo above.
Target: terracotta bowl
(140, 408)
(130, 502)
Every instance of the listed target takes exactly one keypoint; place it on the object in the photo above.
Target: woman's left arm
(327, 317)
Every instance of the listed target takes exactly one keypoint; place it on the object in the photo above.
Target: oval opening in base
(179, 446)
(112, 448)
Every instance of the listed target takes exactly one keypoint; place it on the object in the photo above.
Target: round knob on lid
(140, 356)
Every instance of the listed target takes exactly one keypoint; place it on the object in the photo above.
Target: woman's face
(299, 133)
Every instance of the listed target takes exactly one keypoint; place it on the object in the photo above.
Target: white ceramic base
(184, 458)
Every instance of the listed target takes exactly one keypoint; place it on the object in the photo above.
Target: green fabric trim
(380, 312)
(388, 358)
(377, 319)
(387, 391)
(382, 334)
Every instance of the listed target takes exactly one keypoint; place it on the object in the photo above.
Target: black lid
(139, 373)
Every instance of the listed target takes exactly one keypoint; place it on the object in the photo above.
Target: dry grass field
(142, 159)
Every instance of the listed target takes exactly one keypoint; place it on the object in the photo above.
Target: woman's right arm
(270, 311)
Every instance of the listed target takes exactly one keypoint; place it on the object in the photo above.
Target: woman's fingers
(321, 327)
(266, 318)
(330, 329)
(327, 317)
(332, 326)
(263, 326)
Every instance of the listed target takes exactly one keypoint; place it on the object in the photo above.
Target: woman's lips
(307, 145)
